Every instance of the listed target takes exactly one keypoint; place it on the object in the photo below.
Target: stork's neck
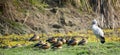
(95, 24)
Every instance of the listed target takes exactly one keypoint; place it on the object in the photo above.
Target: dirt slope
(28, 16)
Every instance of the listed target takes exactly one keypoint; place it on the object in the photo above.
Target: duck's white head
(94, 21)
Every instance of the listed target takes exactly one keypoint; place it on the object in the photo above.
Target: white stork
(98, 31)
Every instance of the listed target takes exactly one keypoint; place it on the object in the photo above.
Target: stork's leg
(97, 39)
(97, 44)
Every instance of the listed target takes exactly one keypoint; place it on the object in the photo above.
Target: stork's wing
(100, 32)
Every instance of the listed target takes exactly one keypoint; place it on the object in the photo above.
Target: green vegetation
(40, 4)
(92, 48)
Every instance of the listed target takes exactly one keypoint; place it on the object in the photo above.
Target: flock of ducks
(58, 42)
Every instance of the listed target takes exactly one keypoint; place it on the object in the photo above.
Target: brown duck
(34, 38)
(72, 42)
(83, 41)
(62, 40)
(45, 46)
(57, 44)
(51, 40)
(39, 44)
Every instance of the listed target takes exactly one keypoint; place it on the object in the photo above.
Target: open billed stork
(98, 31)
